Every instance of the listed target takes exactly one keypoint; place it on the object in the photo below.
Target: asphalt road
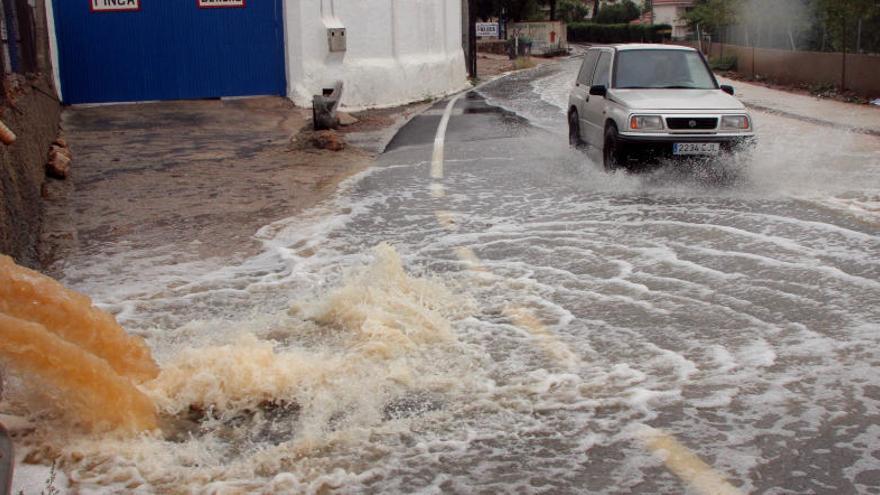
(528, 323)
(737, 321)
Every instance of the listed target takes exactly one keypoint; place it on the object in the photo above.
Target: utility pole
(472, 38)
(843, 76)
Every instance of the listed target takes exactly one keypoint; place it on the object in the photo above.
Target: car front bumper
(727, 142)
(661, 145)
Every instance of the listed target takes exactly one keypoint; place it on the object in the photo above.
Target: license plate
(695, 148)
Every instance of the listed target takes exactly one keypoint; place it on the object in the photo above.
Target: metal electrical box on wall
(336, 37)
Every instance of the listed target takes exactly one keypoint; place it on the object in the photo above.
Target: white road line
(440, 139)
(685, 464)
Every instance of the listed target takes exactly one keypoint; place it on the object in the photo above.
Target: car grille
(692, 124)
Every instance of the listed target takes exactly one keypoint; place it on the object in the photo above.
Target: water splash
(56, 336)
(289, 391)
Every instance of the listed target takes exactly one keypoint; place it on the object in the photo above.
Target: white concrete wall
(399, 51)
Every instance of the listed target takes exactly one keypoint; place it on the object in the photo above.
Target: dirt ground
(490, 65)
(203, 173)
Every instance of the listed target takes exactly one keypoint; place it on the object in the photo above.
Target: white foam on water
(742, 319)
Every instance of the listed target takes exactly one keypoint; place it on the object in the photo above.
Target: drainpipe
(843, 75)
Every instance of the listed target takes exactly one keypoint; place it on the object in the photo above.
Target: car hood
(676, 99)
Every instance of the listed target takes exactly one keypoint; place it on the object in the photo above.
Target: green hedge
(590, 32)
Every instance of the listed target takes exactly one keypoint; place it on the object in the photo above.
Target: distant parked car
(634, 102)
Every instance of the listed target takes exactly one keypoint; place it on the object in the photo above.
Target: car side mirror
(599, 90)
(728, 89)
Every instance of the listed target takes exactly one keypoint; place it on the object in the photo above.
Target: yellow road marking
(678, 459)
(525, 318)
(686, 465)
(446, 219)
(437, 190)
(467, 255)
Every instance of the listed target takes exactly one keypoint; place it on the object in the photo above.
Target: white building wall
(399, 51)
(672, 15)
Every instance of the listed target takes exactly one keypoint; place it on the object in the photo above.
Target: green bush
(590, 32)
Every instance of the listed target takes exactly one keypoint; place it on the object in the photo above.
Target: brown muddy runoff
(102, 409)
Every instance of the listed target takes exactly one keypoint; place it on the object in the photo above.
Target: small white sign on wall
(487, 30)
(219, 4)
(115, 5)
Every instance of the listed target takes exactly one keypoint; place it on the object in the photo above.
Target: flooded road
(510, 318)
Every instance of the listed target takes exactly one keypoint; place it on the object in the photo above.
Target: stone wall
(33, 114)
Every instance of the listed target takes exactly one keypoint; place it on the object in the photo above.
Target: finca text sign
(219, 4)
(115, 5)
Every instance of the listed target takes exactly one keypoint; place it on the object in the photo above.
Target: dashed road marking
(686, 465)
(447, 220)
(555, 348)
(678, 459)
(437, 190)
(467, 255)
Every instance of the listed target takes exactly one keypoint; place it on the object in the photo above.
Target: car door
(593, 117)
(581, 92)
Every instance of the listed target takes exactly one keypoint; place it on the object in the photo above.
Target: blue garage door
(139, 50)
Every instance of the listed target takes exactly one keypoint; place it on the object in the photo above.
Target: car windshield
(662, 69)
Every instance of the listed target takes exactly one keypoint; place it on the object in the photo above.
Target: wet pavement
(533, 324)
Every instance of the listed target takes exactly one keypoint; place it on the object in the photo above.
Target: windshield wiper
(679, 87)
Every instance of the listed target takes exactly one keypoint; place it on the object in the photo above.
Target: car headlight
(646, 123)
(736, 123)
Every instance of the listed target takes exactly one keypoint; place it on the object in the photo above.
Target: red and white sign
(221, 4)
(115, 5)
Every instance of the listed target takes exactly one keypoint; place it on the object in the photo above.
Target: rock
(7, 137)
(62, 150)
(346, 119)
(58, 166)
(328, 140)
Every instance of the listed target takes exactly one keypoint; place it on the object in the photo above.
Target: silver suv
(637, 102)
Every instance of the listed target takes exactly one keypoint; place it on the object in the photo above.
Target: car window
(586, 73)
(662, 69)
(603, 70)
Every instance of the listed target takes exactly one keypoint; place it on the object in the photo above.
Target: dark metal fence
(853, 36)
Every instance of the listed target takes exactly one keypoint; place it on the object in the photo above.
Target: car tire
(612, 154)
(574, 130)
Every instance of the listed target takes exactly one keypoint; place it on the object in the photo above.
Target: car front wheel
(574, 130)
(612, 153)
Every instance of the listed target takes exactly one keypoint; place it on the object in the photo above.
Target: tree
(552, 5)
(841, 17)
(516, 10)
(712, 15)
(573, 10)
(618, 14)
